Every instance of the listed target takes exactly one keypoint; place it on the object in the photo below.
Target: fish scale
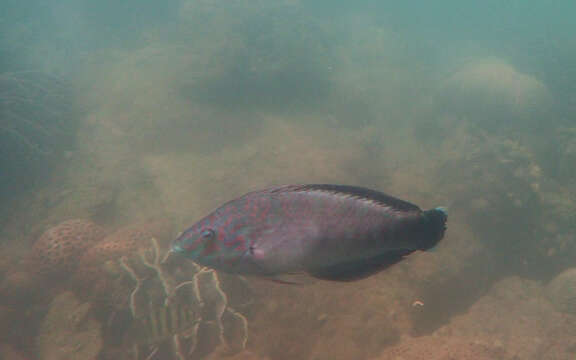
(333, 232)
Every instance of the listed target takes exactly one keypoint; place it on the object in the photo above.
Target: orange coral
(59, 248)
(99, 266)
(125, 242)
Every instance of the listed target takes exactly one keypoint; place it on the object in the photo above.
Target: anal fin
(356, 270)
(297, 278)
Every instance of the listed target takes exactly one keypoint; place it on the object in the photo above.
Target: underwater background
(123, 123)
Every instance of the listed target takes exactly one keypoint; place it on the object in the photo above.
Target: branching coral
(150, 304)
(161, 305)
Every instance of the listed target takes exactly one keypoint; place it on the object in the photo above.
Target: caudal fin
(436, 219)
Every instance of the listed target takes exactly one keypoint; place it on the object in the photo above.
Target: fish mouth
(175, 248)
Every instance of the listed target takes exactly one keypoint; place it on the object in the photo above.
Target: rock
(20, 287)
(244, 355)
(493, 94)
(69, 331)
(7, 352)
(562, 291)
(514, 315)
(512, 321)
(7, 317)
(443, 348)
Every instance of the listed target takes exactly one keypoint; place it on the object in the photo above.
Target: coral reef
(144, 302)
(211, 106)
(502, 192)
(126, 241)
(158, 307)
(179, 305)
(58, 250)
(99, 275)
(52, 259)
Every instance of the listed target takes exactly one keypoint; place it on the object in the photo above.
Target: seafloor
(176, 127)
(99, 287)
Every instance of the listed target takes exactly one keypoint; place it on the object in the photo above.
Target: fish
(330, 232)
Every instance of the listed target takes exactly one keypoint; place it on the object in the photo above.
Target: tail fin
(436, 226)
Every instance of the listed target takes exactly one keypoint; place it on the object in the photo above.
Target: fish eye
(208, 234)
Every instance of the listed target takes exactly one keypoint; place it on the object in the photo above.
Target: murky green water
(140, 117)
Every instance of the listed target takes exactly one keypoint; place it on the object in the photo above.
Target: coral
(125, 241)
(99, 267)
(497, 187)
(69, 331)
(54, 256)
(175, 309)
(190, 307)
(562, 291)
(493, 94)
(58, 250)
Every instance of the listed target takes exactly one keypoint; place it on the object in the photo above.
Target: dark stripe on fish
(352, 191)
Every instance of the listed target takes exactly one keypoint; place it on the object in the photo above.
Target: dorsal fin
(352, 191)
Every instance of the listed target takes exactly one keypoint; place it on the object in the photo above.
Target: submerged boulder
(562, 291)
(493, 94)
(69, 331)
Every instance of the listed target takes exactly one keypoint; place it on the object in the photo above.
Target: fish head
(194, 242)
(219, 244)
(200, 241)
